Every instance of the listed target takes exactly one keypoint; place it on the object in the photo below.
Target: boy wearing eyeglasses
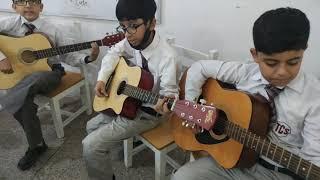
(144, 47)
(19, 100)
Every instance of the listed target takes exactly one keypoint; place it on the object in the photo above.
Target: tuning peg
(195, 106)
(193, 126)
(203, 101)
(202, 130)
(187, 125)
(183, 123)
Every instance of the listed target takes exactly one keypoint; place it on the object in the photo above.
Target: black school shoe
(31, 156)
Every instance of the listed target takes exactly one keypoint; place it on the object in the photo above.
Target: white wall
(220, 24)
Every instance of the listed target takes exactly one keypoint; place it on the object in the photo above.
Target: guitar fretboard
(141, 94)
(275, 153)
(45, 53)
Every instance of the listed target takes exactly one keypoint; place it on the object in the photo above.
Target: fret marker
(271, 151)
(303, 169)
(285, 159)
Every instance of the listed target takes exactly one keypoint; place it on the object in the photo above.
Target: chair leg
(86, 98)
(160, 165)
(128, 152)
(56, 116)
(191, 157)
(85, 90)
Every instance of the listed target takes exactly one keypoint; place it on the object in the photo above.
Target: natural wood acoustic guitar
(29, 54)
(238, 135)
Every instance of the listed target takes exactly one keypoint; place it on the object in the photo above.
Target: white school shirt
(14, 25)
(298, 105)
(162, 63)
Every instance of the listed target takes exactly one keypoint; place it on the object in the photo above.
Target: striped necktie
(272, 93)
(144, 63)
(30, 28)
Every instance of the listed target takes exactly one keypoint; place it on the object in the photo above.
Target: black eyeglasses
(131, 29)
(25, 2)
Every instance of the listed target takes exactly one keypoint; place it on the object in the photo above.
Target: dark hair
(134, 9)
(281, 30)
(13, 1)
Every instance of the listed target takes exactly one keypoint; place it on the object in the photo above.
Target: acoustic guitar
(129, 86)
(29, 54)
(239, 132)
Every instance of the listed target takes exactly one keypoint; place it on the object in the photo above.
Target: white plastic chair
(159, 139)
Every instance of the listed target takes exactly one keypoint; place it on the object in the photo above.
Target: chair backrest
(189, 56)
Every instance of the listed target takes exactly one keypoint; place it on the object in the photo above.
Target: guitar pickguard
(216, 135)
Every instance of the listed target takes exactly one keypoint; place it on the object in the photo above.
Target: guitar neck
(45, 53)
(275, 153)
(141, 94)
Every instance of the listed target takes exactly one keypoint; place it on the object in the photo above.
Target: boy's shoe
(113, 177)
(31, 156)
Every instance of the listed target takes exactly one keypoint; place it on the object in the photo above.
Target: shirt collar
(258, 77)
(296, 84)
(147, 52)
(37, 23)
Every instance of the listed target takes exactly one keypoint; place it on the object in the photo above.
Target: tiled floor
(63, 160)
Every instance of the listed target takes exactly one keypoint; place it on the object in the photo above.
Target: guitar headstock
(197, 114)
(110, 40)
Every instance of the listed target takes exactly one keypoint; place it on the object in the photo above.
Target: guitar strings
(222, 123)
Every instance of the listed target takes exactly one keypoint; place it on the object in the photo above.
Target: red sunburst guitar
(29, 54)
(129, 86)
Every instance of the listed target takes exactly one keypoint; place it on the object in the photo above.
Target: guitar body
(119, 103)
(29, 54)
(248, 111)
(12, 48)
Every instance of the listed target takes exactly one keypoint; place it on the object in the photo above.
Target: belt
(272, 167)
(150, 111)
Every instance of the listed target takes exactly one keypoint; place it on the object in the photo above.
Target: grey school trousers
(43, 83)
(207, 168)
(105, 133)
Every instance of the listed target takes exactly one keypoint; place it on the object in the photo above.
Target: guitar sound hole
(28, 57)
(122, 85)
(220, 125)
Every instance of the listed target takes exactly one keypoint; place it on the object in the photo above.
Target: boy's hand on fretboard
(162, 106)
